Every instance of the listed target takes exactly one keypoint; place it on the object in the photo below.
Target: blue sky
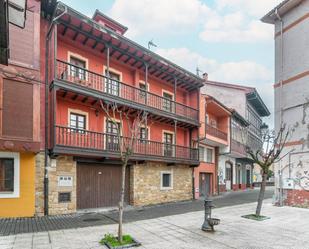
(224, 38)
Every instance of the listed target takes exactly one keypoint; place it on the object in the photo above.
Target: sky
(224, 38)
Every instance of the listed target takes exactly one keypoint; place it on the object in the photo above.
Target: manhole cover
(91, 219)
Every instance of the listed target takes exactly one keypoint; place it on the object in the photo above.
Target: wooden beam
(64, 94)
(85, 99)
(75, 97)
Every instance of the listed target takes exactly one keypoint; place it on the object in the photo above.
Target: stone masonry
(62, 166)
(145, 181)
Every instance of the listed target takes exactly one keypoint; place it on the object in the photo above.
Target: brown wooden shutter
(17, 113)
(22, 42)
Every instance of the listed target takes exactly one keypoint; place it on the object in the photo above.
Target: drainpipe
(47, 43)
(280, 101)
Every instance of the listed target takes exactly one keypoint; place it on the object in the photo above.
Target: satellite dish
(17, 12)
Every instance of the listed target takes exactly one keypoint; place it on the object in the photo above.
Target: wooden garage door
(99, 185)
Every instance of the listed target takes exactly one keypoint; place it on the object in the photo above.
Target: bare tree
(270, 153)
(125, 145)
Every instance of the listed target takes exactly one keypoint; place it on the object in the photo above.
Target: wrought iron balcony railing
(215, 132)
(83, 77)
(85, 139)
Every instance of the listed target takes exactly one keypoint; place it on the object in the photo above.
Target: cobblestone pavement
(40, 224)
(287, 228)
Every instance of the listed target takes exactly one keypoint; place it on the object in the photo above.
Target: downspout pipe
(280, 101)
(46, 152)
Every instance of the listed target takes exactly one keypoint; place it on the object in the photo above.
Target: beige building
(291, 26)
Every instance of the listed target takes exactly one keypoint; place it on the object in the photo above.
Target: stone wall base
(145, 181)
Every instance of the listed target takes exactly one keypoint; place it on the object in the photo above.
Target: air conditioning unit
(287, 183)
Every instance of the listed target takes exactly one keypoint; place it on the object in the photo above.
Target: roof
(212, 99)
(282, 8)
(99, 37)
(252, 96)
(239, 118)
(98, 13)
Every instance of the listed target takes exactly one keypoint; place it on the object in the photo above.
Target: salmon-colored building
(88, 61)
(214, 135)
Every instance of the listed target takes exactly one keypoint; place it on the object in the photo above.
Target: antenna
(151, 44)
(198, 71)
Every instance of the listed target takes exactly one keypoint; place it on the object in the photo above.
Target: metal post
(175, 93)
(107, 82)
(55, 51)
(175, 139)
(146, 82)
(146, 132)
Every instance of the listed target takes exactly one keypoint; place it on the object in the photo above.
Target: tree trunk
(123, 179)
(261, 195)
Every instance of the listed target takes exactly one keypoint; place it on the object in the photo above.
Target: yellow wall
(24, 205)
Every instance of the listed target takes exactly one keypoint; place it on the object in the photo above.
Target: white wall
(293, 100)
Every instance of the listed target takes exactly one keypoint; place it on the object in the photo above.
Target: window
(143, 135)
(77, 122)
(206, 154)
(112, 142)
(6, 175)
(167, 102)
(9, 175)
(209, 155)
(112, 83)
(166, 180)
(168, 144)
(142, 93)
(77, 68)
(202, 154)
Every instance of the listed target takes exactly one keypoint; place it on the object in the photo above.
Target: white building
(291, 28)
(235, 169)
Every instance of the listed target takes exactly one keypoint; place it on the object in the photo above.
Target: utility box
(287, 183)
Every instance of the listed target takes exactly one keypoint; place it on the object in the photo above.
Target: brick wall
(297, 198)
(145, 180)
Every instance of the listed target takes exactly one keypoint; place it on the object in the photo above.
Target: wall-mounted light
(96, 112)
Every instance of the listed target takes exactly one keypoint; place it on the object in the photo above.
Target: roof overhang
(88, 32)
(257, 103)
(240, 119)
(220, 109)
(281, 9)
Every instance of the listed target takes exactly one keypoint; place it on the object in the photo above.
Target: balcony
(89, 143)
(215, 132)
(238, 148)
(113, 90)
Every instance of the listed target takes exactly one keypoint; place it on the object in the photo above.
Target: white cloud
(256, 8)
(244, 72)
(160, 16)
(227, 21)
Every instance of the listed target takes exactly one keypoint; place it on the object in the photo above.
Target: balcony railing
(78, 75)
(238, 147)
(213, 131)
(84, 139)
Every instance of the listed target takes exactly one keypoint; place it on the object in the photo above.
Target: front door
(248, 178)
(112, 139)
(228, 176)
(168, 144)
(205, 183)
(99, 185)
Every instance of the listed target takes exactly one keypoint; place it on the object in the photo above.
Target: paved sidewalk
(287, 228)
(26, 225)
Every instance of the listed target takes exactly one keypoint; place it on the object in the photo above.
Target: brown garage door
(99, 185)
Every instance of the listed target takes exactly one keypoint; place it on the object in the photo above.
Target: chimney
(205, 76)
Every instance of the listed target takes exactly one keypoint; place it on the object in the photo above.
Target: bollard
(209, 222)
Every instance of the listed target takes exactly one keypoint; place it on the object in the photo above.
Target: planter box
(134, 244)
